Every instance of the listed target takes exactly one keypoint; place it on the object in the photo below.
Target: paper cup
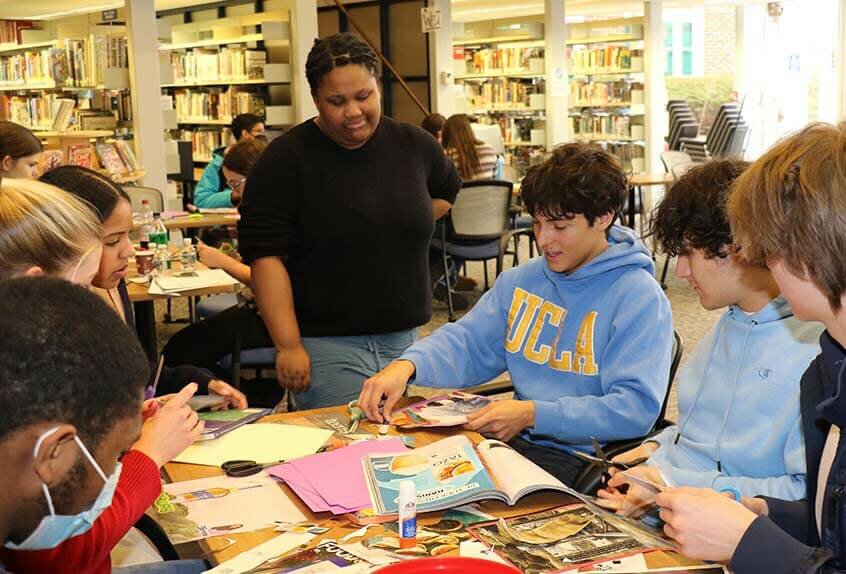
(144, 262)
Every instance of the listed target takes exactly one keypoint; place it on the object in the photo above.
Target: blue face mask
(56, 528)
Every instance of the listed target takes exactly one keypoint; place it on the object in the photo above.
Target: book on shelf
(62, 109)
(10, 31)
(607, 59)
(451, 472)
(127, 155)
(229, 63)
(110, 158)
(216, 104)
(80, 154)
(515, 60)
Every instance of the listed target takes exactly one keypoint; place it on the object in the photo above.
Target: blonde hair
(791, 205)
(41, 225)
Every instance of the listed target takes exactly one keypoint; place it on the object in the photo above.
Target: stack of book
(10, 31)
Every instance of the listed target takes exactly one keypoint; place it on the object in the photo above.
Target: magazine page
(442, 411)
(556, 540)
(447, 473)
(326, 556)
(516, 475)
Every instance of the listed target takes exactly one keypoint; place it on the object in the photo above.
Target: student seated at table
(204, 343)
(788, 211)
(212, 190)
(584, 332)
(20, 152)
(67, 362)
(739, 423)
(113, 211)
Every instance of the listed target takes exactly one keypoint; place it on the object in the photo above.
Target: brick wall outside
(719, 40)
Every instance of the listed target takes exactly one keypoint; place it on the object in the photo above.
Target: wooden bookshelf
(529, 41)
(522, 75)
(6, 49)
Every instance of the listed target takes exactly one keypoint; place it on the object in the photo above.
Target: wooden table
(340, 527)
(637, 181)
(143, 303)
(193, 222)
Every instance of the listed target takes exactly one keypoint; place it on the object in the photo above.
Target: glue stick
(407, 514)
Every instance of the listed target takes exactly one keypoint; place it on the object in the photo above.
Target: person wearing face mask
(64, 442)
(336, 222)
(20, 152)
(111, 206)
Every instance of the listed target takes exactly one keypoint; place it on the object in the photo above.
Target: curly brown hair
(576, 178)
(692, 214)
(335, 51)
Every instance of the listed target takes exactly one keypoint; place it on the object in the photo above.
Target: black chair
(477, 228)
(589, 479)
(151, 530)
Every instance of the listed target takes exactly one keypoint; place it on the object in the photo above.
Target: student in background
(112, 208)
(44, 231)
(69, 492)
(336, 223)
(212, 190)
(20, 152)
(568, 327)
(754, 355)
(474, 159)
(434, 124)
(205, 342)
(788, 211)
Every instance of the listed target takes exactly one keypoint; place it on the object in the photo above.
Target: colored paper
(261, 442)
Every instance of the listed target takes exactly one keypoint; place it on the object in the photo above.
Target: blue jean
(340, 365)
(172, 567)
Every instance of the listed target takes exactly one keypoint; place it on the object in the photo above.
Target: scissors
(240, 468)
(356, 416)
(603, 462)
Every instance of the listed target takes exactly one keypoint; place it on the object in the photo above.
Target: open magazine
(451, 472)
(442, 411)
(560, 539)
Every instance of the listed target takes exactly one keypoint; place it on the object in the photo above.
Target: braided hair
(335, 51)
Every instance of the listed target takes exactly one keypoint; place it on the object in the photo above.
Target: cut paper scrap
(321, 490)
(262, 553)
(261, 442)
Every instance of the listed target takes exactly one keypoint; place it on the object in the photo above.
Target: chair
(676, 162)
(151, 530)
(138, 193)
(589, 479)
(473, 229)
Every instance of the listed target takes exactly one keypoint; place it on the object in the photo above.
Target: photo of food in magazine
(452, 471)
(556, 540)
(442, 411)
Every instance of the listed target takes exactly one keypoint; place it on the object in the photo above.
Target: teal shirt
(210, 192)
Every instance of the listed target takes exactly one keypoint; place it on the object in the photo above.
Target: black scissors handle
(240, 468)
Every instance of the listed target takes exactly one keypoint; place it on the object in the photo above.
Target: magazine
(451, 472)
(442, 411)
(326, 556)
(560, 539)
(218, 423)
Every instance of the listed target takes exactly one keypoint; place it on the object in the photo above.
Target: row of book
(208, 65)
(30, 111)
(605, 92)
(205, 141)
(76, 63)
(10, 30)
(610, 58)
(490, 60)
(216, 104)
(500, 93)
(115, 156)
(598, 122)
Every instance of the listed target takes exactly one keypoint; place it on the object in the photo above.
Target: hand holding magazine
(442, 411)
(451, 472)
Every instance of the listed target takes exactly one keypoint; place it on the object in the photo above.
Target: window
(668, 48)
(687, 49)
(684, 42)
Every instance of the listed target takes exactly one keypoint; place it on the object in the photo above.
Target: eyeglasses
(236, 184)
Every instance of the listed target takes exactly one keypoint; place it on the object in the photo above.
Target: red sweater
(88, 553)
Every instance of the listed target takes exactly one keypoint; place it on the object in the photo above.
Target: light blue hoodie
(210, 191)
(739, 421)
(591, 349)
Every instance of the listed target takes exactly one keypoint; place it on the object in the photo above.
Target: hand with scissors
(633, 491)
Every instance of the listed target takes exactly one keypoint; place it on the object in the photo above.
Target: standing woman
(20, 152)
(473, 158)
(336, 223)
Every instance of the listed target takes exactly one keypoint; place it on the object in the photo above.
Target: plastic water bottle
(162, 260)
(145, 221)
(158, 232)
(188, 257)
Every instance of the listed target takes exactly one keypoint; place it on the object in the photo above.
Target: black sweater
(353, 226)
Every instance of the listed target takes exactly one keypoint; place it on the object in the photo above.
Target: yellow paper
(261, 442)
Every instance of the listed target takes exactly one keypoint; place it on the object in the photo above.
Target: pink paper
(336, 477)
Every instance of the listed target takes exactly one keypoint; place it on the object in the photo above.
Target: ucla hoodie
(739, 419)
(590, 348)
(211, 191)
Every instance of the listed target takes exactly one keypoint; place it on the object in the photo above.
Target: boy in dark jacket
(789, 212)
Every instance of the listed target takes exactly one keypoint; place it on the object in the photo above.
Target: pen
(150, 391)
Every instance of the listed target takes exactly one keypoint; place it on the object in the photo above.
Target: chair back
(139, 193)
(480, 211)
(676, 162)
